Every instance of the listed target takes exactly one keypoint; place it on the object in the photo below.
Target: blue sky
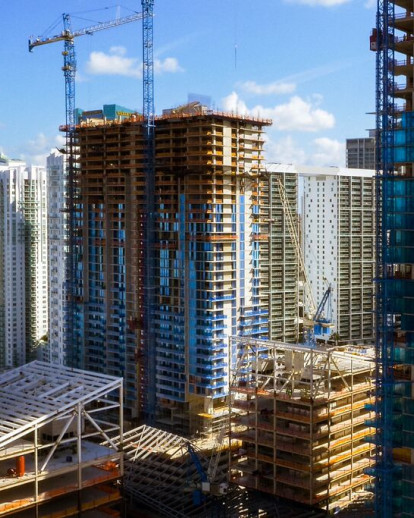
(305, 64)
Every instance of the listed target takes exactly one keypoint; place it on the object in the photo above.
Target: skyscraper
(336, 242)
(210, 238)
(393, 41)
(360, 153)
(23, 261)
(339, 245)
(284, 264)
(57, 256)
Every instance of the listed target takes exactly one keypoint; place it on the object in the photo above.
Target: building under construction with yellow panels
(303, 416)
(207, 260)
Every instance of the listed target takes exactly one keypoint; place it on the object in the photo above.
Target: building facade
(284, 260)
(302, 417)
(23, 261)
(392, 39)
(210, 236)
(360, 153)
(57, 255)
(339, 245)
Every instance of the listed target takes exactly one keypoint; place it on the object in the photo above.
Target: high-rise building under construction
(360, 152)
(393, 40)
(209, 242)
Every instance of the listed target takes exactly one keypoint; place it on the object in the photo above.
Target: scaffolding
(302, 415)
(52, 420)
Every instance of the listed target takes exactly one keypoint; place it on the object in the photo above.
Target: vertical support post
(148, 398)
(121, 429)
(79, 447)
(36, 469)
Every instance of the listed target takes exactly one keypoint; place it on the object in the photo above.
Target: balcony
(404, 44)
(403, 21)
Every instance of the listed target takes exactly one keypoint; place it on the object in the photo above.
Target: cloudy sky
(305, 64)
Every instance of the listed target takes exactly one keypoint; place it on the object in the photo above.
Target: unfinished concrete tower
(210, 237)
(302, 415)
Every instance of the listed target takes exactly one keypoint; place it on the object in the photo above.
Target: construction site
(174, 476)
(178, 238)
(53, 421)
(303, 416)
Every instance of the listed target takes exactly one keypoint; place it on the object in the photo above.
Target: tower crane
(69, 56)
(323, 316)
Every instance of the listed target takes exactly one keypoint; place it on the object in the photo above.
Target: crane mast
(309, 300)
(148, 63)
(146, 345)
(69, 71)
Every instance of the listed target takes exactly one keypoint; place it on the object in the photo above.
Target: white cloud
(117, 63)
(320, 3)
(114, 63)
(328, 152)
(295, 115)
(81, 78)
(232, 103)
(319, 152)
(300, 115)
(277, 87)
(60, 140)
(38, 142)
(118, 49)
(284, 151)
(36, 150)
(311, 74)
(167, 65)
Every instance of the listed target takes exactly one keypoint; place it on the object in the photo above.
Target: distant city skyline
(316, 83)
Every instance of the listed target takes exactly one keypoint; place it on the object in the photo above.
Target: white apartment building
(337, 237)
(57, 221)
(338, 208)
(23, 261)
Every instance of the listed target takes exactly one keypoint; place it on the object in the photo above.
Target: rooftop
(314, 170)
(39, 392)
